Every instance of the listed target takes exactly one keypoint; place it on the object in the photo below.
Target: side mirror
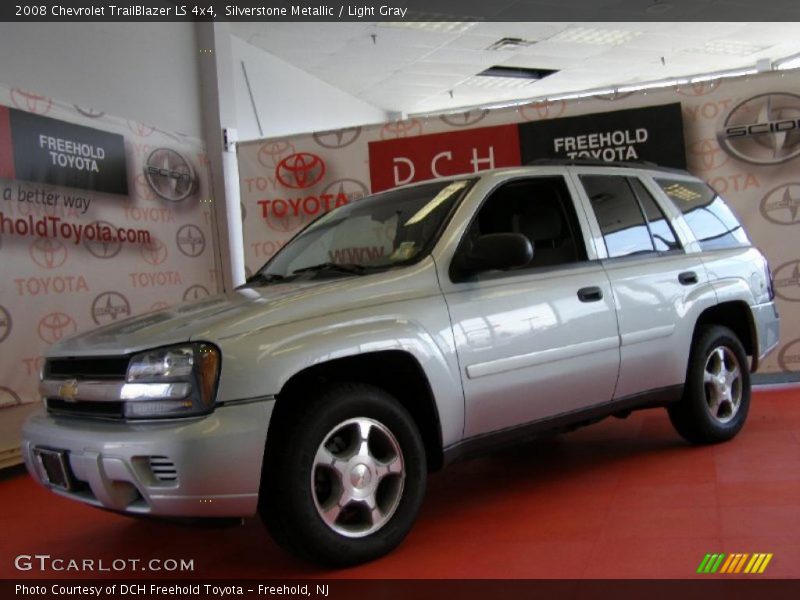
(493, 251)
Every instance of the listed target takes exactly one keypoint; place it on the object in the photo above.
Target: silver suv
(407, 329)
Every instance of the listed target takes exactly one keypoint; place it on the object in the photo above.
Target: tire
(716, 395)
(345, 477)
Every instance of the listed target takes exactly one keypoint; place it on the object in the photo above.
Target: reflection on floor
(620, 499)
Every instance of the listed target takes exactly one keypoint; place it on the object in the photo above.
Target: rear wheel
(345, 481)
(716, 396)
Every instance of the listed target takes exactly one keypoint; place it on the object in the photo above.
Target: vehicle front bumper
(215, 460)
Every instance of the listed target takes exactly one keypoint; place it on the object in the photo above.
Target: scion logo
(764, 130)
(8, 397)
(781, 205)
(170, 175)
(789, 356)
(401, 129)
(31, 102)
(272, 153)
(195, 292)
(351, 188)
(787, 281)
(539, 111)
(89, 112)
(701, 88)
(108, 306)
(466, 118)
(140, 129)
(48, 253)
(706, 155)
(155, 252)
(338, 138)
(99, 248)
(190, 240)
(55, 326)
(301, 170)
(5, 324)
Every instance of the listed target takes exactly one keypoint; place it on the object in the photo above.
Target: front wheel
(346, 479)
(716, 396)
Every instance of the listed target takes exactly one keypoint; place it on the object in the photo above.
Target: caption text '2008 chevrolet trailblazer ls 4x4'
(403, 330)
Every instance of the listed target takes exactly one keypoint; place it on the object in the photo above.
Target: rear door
(655, 281)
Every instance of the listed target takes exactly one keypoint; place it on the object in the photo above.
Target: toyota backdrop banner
(742, 135)
(125, 230)
(48, 150)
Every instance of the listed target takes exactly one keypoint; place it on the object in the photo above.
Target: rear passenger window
(619, 215)
(663, 235)
(710, 219)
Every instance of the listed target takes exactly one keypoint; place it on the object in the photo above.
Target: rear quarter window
(707, 214)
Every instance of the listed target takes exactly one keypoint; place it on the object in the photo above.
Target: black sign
(653, 134)
(51, 151)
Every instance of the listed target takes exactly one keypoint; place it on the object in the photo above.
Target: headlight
(177, 381)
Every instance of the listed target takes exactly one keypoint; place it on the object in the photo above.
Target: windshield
(378, 232)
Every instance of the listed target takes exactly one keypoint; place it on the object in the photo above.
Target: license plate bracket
(55, 467)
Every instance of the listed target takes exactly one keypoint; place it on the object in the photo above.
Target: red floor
(621, 499)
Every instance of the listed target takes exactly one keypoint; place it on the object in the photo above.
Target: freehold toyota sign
(45, 150)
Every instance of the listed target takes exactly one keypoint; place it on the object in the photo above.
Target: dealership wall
(146, 72)
(287, 181)
(288, 99)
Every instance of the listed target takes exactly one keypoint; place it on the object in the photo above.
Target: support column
(215, 67)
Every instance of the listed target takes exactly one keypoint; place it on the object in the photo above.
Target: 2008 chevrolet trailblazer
(494, 307)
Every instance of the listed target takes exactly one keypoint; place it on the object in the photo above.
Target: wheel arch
(736, 316)
(397, 372)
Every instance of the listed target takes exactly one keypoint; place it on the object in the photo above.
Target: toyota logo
(143, 189)
(466, 118)
(100, 248)
(612, 96)
(764, 130)
(109, 306)
(789, 357)
(271, 153)
(195, 292)
(154, 252)
(301, 170)
(190, 240)
(30, 102)
(48, 253)
(158, 306)
(9, 397)
(401, 129)
(338, 138)
(539, 111)
(170, 175)
(89, 112)
(5, 324)
(781, 205)
(140, 129)
(352, 188)
(700, 88)
(706, 155)
(55, 326)
(787, 281)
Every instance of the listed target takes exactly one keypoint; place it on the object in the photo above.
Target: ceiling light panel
(488, 82)
(595, 36)
(729, 47)
(457, 27)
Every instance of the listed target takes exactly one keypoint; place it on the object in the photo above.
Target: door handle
(590, 294)
(687, 278)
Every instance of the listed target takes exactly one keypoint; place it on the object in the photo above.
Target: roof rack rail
(596, 162)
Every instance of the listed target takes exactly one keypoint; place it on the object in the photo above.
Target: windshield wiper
(264, 278)
(349, 268)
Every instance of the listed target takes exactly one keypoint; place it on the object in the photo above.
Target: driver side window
(542, 210)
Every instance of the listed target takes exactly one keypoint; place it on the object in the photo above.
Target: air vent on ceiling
(510, 43)
(517, 72)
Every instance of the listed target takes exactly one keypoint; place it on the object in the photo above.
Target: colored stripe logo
(727, 564)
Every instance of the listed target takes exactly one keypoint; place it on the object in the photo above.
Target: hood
(250, 309)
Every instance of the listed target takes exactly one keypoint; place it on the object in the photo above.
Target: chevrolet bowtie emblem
(69, 390)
